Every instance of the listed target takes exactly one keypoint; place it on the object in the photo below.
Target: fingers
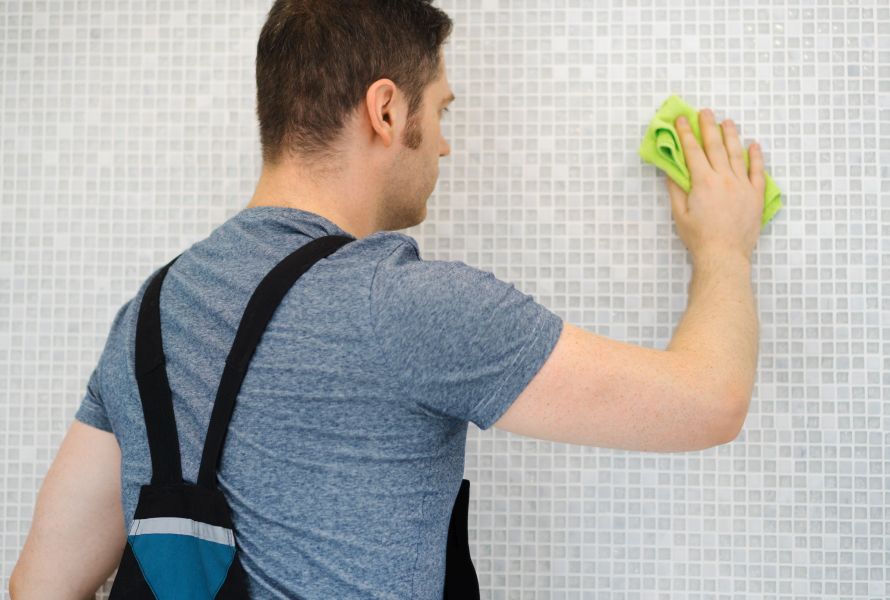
(713, 141)
(755, 169)
(678, 199)
(734, 148)
(695, 156)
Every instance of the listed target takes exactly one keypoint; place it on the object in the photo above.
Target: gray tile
(127, 132)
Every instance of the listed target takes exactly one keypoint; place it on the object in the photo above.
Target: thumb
(678, 198)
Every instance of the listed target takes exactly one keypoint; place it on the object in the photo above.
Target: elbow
(733, 422)
(13, 587)
(25, 589)
(17, 588)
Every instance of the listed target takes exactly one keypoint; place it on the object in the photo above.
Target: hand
(724, 207)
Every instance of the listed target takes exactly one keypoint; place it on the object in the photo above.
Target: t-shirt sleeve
(459, 342)
(92, 409)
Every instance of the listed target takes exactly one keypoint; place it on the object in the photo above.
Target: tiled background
(127, 133)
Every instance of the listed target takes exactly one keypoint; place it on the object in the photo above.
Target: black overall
(181, 543)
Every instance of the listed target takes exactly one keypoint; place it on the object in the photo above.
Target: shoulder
(398, 267)
(401, 273)
(406, 289)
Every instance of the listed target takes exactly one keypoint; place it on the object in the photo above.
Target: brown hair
(316, 59)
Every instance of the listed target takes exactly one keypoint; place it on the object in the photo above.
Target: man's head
(349, 98)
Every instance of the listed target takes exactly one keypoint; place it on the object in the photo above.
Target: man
(346, 446)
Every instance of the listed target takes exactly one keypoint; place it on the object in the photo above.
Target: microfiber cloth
(661, 147)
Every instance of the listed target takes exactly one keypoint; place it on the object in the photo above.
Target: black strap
(154, 389)
(259, 311)
(151, 375)
(461, 582)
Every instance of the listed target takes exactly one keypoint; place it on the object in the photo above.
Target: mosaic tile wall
(127, 133)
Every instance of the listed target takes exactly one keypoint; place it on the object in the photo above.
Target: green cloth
(661, 147)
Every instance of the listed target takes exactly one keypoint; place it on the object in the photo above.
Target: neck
(335, 202)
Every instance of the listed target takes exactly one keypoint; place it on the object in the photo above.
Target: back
(345, 451)
(596, 391)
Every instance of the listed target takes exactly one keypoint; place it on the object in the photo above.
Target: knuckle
(713, 137)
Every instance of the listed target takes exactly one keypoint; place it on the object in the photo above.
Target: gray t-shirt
(345, 451)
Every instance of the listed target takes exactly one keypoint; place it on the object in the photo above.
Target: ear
(383, 110)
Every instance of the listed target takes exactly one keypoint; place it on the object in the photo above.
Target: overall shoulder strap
(259, 311)
(154, 389)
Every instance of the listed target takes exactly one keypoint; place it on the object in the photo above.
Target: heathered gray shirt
(345, 450)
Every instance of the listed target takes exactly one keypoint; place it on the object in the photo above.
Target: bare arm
(720, 330)
(77, 535)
